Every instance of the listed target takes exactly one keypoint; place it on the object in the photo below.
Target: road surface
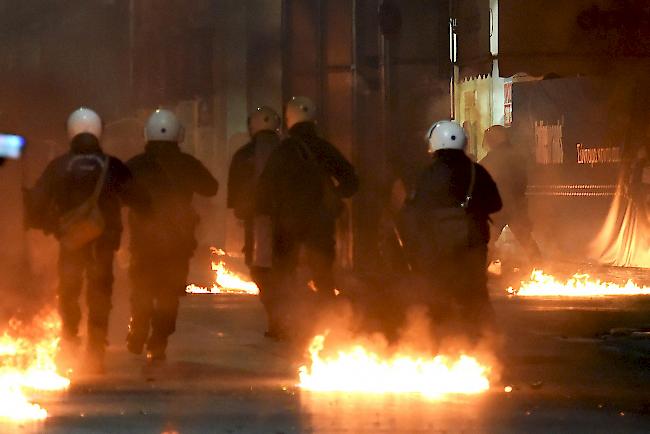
(223, 376)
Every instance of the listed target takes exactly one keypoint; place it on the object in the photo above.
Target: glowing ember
(580, 285)
(226, 281)
(361, 370)
(27, 354)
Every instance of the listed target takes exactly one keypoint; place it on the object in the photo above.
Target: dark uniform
(508, 170)
(245, 169)
(458, 278)
(67, 182)
(163, 241)
(301, 189)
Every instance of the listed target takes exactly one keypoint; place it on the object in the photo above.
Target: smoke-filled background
(378, 75)
(569, 78)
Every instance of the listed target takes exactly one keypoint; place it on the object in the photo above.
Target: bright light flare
(580, 285)
(360, 370)
(226, 281)
(27, 365)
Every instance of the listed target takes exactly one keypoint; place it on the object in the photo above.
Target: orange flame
(360, 370)
(27, 354)
(580, 285)
(226, 281)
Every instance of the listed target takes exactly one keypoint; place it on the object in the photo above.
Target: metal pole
(131, 48)
(385, 79)
(452, 59)
(354, 132)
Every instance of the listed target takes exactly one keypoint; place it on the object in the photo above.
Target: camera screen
(11, 146)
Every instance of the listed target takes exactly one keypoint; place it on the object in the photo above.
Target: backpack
(85, 223)
(449, 229)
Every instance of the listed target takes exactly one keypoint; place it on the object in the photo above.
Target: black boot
(136, 338)
(156, 349)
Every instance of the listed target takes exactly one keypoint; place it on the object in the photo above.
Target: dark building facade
(576, 78)
(379, 71)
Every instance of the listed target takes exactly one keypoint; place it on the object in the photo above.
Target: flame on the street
(357, 369)
(580, 285)
(225, 281)
(27, 365)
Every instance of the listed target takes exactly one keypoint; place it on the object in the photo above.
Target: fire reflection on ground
(354, 413)
(580, 285)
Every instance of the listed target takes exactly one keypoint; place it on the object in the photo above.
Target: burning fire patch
(359, 370)
(226, 281)
(580, 285)
(27, 365)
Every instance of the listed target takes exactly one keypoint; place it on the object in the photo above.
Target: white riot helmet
(446, 135)
(263, 119)
(84, 120)
(164, 126)
(300, 109)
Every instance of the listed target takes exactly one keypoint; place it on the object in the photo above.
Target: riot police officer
(163, 241)
(301, 188)
(78, 199)
(245, 169)
(447, 230)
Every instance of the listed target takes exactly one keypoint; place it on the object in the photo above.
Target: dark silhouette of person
(66, 184)
(508, 169)
(445, 223)
(162, 241)
(245, 169)
(301, 188)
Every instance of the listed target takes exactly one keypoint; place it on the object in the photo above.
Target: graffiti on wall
(549, 148)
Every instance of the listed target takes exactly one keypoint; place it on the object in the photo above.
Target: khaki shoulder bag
(84, 224)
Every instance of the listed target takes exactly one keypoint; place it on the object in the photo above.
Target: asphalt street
(223, 376)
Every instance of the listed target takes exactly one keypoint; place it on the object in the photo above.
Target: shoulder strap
(308, 154)
(94, 198)
(304, 151)
(472, 182)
